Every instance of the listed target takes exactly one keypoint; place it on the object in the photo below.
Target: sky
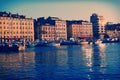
(64, 9)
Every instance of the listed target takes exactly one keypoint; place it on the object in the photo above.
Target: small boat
(40, 43)
(9, 47)
(68, 43)
(55, 44)
(111, 40)
(83, 42)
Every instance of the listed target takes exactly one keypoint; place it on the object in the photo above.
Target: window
(17, 27)
(4, 32)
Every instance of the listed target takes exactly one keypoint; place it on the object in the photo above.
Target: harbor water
(78, 62)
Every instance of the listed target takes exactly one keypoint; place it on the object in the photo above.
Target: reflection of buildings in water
(49, 62)
(16, 60)
(75, 57)
(45, 57)
(99, 58)
(94, 58)
(94, 55)
(17, 65)
(87, 52)
(62, 57)
(70, 57)
(102, 47)
(45, 62)
(102, 54)
(51, 55)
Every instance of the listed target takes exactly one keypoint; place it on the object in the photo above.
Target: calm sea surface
(80, 62)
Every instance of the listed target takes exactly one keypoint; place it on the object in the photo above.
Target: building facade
(60, 29)
(15, 27)
(98, 23)
(47, 32)
(51, 28)
(113, 30)
(79, 29)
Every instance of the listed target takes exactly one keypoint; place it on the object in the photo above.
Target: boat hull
(9, 48)
(83, 43)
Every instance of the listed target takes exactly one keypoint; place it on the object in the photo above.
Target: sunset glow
(63, 9)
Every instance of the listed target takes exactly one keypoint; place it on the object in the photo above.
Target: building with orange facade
(79, 29)
(15, 27)
(51, 28)
(47, 32)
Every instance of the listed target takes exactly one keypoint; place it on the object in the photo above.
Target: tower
(98, 24)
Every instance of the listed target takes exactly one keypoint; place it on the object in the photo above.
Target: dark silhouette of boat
(9, 48)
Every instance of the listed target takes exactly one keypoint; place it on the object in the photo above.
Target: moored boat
(55, 44)
(68, 43)
(9, 47)
(83, 42)
(110, 40)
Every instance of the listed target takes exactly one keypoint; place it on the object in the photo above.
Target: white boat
(111, 40)
(53, 44)
(83, 42)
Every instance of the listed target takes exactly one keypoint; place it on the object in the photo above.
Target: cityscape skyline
(73, 9)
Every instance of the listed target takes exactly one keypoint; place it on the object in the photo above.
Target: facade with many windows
(15, 27)
(61, 29)
(47, 32)
(79, 29)
(50, 29)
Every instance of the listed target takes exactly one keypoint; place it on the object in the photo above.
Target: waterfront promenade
(78, 62)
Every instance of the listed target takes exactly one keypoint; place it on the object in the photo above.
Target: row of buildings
(53, 28)
(18, 27)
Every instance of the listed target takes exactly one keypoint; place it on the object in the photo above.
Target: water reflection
(16, 60)
(11, 65)
(82, 62)
(87, 51)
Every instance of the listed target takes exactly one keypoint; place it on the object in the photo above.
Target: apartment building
(51, 28)
(79, 29)
(47, 32)
(15, 27)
